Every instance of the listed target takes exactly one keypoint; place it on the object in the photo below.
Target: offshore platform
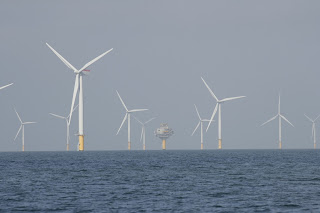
(164, 132)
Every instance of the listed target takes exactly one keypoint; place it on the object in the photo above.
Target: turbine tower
(313, 129)
(143, 131)
(128, 113)
(22, 126)
(78, 85)
(280, 117)
(68, 125)
(201, 126)
(218, 106)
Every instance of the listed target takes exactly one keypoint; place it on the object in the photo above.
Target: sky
(161, 51)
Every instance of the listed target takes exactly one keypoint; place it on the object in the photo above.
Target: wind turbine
(201, 126)
(218, 105)
(128, 112)
(22, 126)
(313, 129)
(5, 86)
(280, 116)
(143, 131)
(78, 86)
(68, 125)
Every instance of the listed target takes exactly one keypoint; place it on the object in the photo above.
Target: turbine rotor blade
(138, 110)
(213, 95)
(150, 120)
(124, 119)
(137, 119)
(196, 128)
(286, 120)
(5, 86)
(309, 118)
(18, 132)
(233, 98)
(63, 59)
(94, 60)
(213, 114)
(122, 101)
(73, 110)
(17, 115)
(75, 91)
(269, 120)
(197, 112)
(316, 118)
(58, 116)
(29, 123)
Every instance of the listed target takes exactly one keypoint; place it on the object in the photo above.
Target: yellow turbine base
(163, 144)
(280, 145)
(22, 148)
(314, 146)
(81, 143)
(129, 145)
(202, 146)
(220, 144)
(144, 147)
(67, 147)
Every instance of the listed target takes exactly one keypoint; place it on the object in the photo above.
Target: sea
(161, 181)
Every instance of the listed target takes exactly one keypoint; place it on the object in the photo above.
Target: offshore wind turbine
(313, 129)
(22, 127)
(201, 126)
(68, 125)
(143, 131)
(128, 113)
(78, 85)
(280, 117)
(218, 107)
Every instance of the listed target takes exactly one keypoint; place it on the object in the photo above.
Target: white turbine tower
(128, 112)
(78, 86)
(313, 129)
(5, 86)
(280, 117)
(201, 126)
(68, 125)
(143, 131)
(218, 105)
(22, 126)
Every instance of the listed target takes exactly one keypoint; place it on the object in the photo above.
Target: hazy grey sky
(161, 48)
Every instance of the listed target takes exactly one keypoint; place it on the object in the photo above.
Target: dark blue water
(161, 181)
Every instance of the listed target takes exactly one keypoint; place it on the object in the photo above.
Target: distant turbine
(143, 131)
(78, 86)
(5, 86)
(201, 126)
(68, 125)
(280, 116)
(22, 126)
(219, 102)
(313, 129)
(128, 112)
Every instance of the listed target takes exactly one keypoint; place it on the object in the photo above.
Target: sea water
(161, 181)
